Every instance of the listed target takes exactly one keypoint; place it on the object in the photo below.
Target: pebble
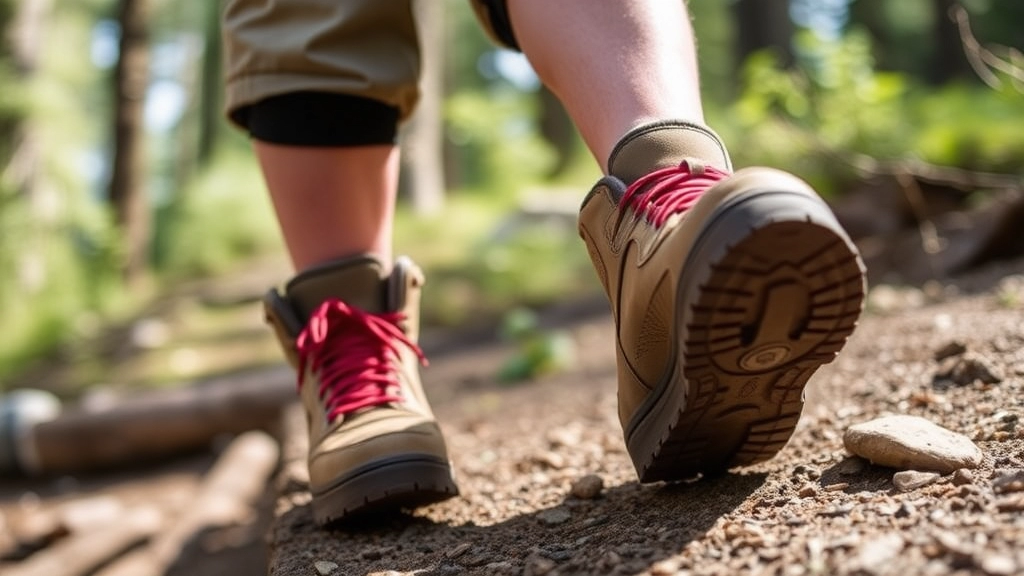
(876, 554)
(551, 460)
(538, 566)
(951, 348)
(962, 477)
(323, 567)
(998, 565)
(554, 516)
(1013, 503)
(1008, 481)
(907, 480)
(969, 368)
(667, 567)
(911, 443)
(458, 550)
(807, 490)
(588, 487)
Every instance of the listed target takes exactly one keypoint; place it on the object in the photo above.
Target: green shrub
(223, 217)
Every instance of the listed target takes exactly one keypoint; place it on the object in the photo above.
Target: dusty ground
(519, 451)
(811, 510)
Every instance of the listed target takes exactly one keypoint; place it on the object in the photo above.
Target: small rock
(807, 490)
(458, 550)
(906, 510)
(852, 466)
(554, 516)
(962, 477)
(611, 559)
(998, 565)
(951, 348)
(550, 459)
(323, 567)
(876, 554)
(911, 443)
(538, 566)
(1014, 503)
(588, 487)
(955, 544)
(907, 480)
(972, 367)
(667, 567)
(1009, 481)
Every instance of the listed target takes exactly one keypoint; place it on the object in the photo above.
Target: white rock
(907, 480)
(911, 443)
(323, 567)
(876, 554)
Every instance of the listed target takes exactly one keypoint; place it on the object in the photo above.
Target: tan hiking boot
(351, 334)
(728, 292)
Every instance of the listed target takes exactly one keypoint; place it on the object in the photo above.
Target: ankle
(657, 145)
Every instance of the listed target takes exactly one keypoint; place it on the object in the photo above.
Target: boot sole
(771, 291)
(397, 483)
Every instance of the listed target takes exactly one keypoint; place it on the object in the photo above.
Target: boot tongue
(665, 144)
(357, 281)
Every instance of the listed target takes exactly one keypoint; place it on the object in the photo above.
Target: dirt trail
(813, 509)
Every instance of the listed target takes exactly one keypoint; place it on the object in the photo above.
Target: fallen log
(226, 498)
(148, 426)
(81, 554)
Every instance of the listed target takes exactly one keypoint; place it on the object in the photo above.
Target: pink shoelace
(354, 352)
(671, 190)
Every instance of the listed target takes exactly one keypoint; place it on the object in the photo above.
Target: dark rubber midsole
(395, 482)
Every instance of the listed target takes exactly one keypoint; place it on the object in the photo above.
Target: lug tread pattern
(738, 411)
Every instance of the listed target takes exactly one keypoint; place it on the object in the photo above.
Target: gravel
(547, 487)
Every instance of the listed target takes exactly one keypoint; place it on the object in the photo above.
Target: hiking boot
(351, 334)
(728, 291)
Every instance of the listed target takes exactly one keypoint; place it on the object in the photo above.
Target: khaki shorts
(367, 48)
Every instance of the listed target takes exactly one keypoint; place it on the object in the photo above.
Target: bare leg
(332, 202)
(614, 65)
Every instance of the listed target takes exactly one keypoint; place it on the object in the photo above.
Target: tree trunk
(127, 185)
(210, 114)
(762, 24)
(948, 61)
(558, 130)
(423, 139)
(22, 152)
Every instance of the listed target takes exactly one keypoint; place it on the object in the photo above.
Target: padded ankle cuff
(663, 144)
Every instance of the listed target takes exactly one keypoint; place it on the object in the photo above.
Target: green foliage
(56, 243)
(495, 145)
(537, 351)
(224, 216)
(492, 261)
(836, 104)
(536, 264)
(969, 126)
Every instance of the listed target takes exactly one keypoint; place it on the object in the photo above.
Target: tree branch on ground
(983, 59)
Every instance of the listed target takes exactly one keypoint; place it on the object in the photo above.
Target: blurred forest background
(122, 182)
